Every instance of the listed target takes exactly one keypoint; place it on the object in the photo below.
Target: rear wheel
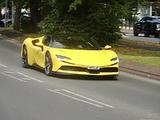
(25, 57)
(48, 65)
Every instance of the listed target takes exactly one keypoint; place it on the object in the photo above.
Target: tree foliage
(94, 19)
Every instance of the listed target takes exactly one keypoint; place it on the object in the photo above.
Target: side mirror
(107, 47)
(35, 43)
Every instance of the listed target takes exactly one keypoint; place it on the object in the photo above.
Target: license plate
(93, 68)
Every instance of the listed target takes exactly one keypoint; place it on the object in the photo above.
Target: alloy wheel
(48, 65)
(25, 58)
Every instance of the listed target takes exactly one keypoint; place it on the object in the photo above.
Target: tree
(39, 9)
(97, 19)
(18, 6)
(93, 19)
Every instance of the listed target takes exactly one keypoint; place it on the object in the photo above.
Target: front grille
(72, 68)
(109, 69)
(93, 71)
(80, 69)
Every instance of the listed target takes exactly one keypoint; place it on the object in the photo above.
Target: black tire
(114, 77)
(25, 58)
(48, 65)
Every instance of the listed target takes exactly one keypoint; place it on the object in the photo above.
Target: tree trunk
(35, 13)
(16, 25)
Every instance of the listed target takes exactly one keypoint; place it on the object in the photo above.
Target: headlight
(62, 58)
(158, 26)
(115, 60)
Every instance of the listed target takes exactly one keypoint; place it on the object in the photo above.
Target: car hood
(87, 57)
(157, 21)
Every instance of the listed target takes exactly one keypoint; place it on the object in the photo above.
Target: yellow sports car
(70, 56)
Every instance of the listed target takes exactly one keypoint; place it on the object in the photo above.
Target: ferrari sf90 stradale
(70, 56)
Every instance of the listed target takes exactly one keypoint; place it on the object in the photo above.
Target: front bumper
(83, 70)
(152, 32)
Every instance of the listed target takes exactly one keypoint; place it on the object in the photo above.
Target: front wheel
(25, 58)
(114, 77)
(48, 65)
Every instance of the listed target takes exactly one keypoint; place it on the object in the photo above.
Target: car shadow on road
(86, 77)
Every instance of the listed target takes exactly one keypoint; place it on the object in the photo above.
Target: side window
(47, 40)
(143, 20)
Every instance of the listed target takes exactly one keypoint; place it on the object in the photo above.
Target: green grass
(139, 55)
(146, 60)
(6, 28)
(136, 52)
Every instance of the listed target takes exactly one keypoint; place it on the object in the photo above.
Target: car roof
(152, 17)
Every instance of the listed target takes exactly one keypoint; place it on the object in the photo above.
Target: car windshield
(149, 18)
(75, 43)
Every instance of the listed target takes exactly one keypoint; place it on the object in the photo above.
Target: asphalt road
(27, 94)
(142, 38)
(129, 36)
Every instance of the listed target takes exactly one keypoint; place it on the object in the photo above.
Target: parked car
(147, 26)
(5, 22)
(1, 24)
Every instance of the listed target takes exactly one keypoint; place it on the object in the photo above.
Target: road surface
(128, 34)
(28, 94)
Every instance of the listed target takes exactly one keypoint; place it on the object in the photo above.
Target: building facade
(151, 9)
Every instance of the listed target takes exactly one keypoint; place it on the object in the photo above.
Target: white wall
(144, 11)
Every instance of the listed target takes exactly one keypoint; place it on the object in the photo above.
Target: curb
(140, 69)
(140, 73)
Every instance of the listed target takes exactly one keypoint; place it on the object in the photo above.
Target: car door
(141, 25)
(145, 26)
(40, 54)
